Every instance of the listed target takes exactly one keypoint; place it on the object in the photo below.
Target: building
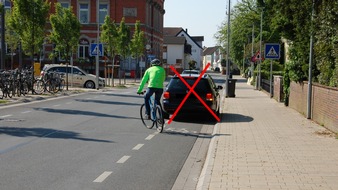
(150, 13)
(212, 56)
(179, 48)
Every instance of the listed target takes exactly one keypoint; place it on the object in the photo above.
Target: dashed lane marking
(138, 147)
(123, 159)
(26, 111)
(102, 177)
(3, 116)
(150, 137)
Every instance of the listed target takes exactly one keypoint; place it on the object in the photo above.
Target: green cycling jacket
(155, 77)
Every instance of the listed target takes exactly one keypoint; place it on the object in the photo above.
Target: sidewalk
(261, 144)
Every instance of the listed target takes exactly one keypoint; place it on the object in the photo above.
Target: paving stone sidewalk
(261, 144)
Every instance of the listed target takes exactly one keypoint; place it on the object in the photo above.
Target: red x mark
(191, 90)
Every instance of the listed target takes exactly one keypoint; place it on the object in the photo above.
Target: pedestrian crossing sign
(96, 49)
(272, 51)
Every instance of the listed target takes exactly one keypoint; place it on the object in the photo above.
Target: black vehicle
(176, 91)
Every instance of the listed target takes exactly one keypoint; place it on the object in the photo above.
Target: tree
(124, 39)
(137, 45)
(326, 46)
(65, 33)
(109, 36)
(29, 18)
(12, 38)
(123, 44)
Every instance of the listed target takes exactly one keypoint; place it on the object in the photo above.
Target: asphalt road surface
(92, 141)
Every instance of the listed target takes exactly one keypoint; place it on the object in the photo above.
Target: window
(103, 12)
(83, 51)
(7, 4)
(129, 12)
(84, 13)
(64, 4)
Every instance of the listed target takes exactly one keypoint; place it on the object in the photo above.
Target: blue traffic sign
(96, 49)
(272, 51)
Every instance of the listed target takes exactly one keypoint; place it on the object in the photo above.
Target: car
(206, 89)
(79, 77)
(190, 72)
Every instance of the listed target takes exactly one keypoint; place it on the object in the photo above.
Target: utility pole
(252, 50)
(309, 95)
(260, 53)
(228, 56)
(97, 44)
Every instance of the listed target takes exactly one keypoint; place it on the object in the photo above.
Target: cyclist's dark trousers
(150, 91)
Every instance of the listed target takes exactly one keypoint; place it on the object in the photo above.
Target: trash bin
(231, 87)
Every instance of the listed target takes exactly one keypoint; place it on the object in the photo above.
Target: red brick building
(150, 13)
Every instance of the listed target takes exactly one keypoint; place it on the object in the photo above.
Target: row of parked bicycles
(22, 82)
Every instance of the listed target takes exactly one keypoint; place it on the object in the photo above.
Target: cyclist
(154, 76)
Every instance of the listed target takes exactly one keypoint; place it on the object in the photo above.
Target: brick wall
(324, 103)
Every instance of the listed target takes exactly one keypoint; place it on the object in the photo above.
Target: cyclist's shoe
(146, 116)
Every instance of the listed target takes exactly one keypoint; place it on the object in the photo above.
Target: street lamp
(2, 34)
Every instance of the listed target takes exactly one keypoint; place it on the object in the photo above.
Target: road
(91, 141)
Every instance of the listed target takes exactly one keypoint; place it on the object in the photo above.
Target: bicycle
(156, 115)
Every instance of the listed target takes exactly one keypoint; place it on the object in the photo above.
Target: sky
(200, 17)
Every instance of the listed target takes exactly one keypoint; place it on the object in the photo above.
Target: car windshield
(177, 85)
(190, 72)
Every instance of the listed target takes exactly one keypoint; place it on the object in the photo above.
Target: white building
(212, 56)
(179, 48)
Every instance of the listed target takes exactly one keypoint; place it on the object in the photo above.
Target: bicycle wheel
(62, 84)
(55, 86)
(146, 122)
(159, 119)
(1, 92)
(39, 86)
(24, 88)
(17, 88)
(10, 89)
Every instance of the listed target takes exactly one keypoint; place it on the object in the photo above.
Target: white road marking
(56, 105)
(150, 137)
(69, 102)
(137, 147)
(102, 177)
(26, 111)
(3, 116)
(123, 159)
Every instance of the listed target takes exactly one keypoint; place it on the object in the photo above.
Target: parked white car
(76, 76)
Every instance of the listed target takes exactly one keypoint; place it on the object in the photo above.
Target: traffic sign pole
(272, 51)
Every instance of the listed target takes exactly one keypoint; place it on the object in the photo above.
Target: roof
(174, 31)
(171, 31)
(210, 50)
(198, 38)
(173, 40)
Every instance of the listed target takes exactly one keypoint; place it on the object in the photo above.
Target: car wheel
(89, 84)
